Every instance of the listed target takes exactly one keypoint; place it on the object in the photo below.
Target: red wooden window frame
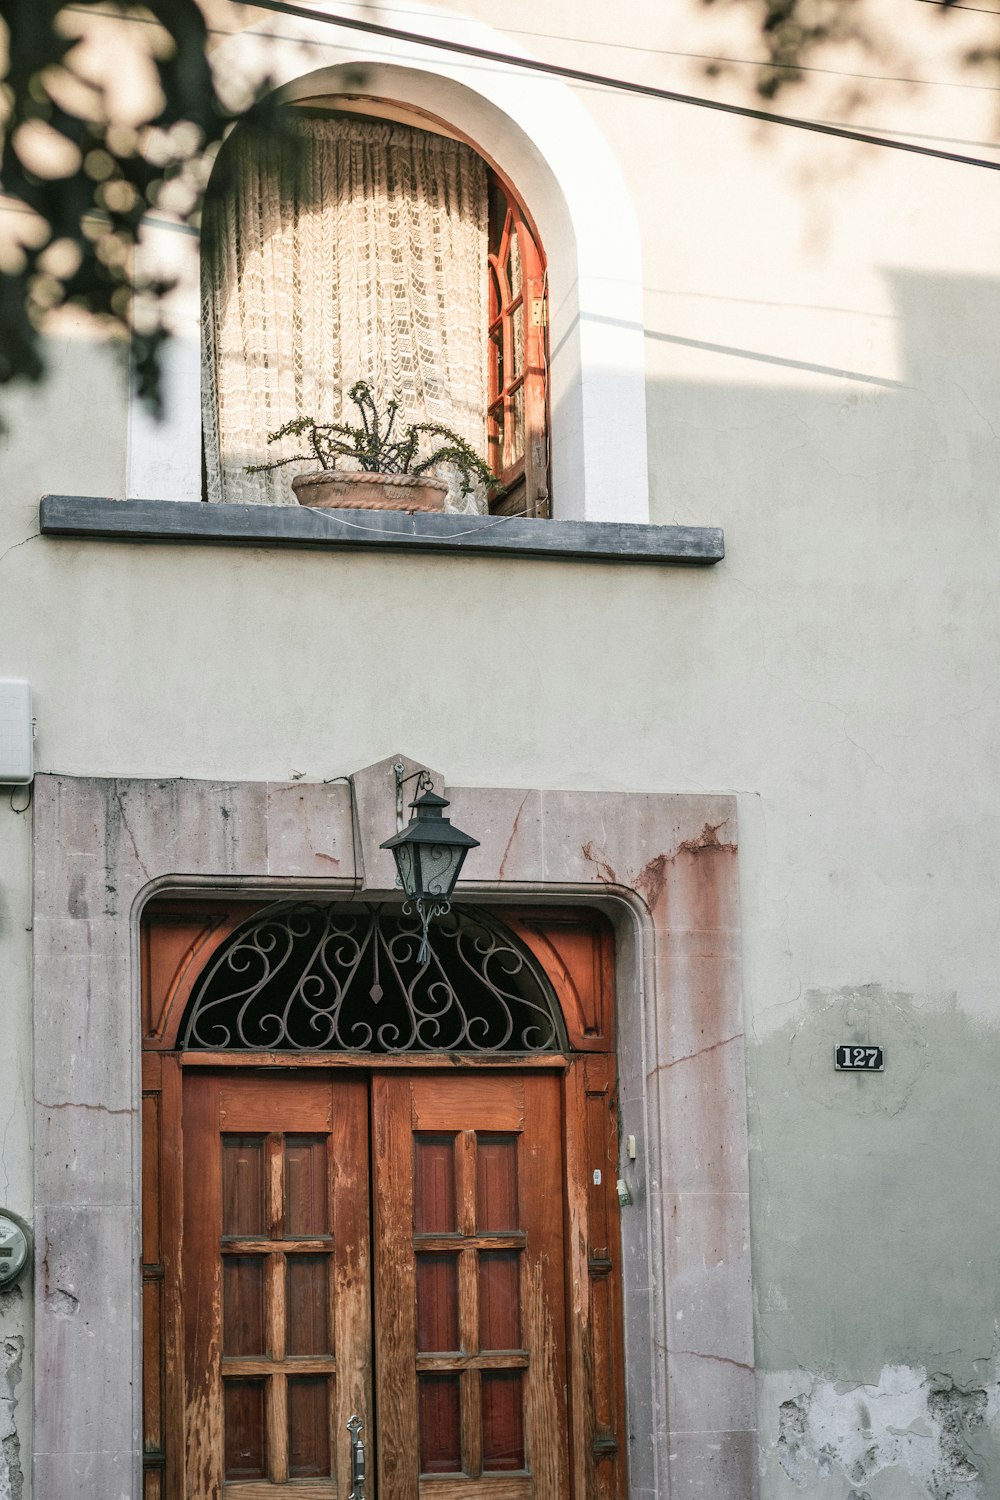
(516, 415)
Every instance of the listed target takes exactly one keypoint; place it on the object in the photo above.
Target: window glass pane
(495, 439)
(517, 327)
(517, 435)
(514, 265)
(497, 214)
(496, 361)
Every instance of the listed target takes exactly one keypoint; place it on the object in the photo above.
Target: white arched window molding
(536, 133)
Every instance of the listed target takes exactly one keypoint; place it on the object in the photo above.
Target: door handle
(354, 1427)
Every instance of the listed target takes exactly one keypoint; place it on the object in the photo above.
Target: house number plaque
(852, 1059)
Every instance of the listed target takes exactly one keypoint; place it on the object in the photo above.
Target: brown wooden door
(464, 1190)
(275, 1283)
(469, 1294)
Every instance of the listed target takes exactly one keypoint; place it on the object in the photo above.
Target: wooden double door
(390, 1245)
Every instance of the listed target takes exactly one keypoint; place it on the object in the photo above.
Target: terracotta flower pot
(333, 489)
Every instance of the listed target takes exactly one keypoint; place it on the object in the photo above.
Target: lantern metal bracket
(425, 783)
(425, 912)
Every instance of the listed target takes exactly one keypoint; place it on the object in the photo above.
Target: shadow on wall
(862, 522)
(852, 447)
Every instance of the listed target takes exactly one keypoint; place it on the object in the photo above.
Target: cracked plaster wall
(15, 1138)
(909, 1433)
(825, 384)
(876, 1215)
(13, 1390)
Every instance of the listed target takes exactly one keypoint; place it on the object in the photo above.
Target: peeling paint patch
(708, 838)
(62, 1304)
(59, 1301)
(924, 1426)
(604, 870)
(652, 879)
(959, 1411)
(11, 1356)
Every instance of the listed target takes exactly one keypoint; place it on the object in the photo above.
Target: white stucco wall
(823, 381)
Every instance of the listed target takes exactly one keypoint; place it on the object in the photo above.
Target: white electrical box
(16, 750)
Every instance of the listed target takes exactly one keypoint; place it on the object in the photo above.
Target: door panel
(466, 1202)
(469, 1293)
(275, 1284)
(257, 1217)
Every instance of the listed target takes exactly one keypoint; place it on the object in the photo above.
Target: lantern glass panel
(403, 854)
(439, 867)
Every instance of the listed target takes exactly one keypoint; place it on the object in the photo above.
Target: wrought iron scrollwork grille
(311, 977)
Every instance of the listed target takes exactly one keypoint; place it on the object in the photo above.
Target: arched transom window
(303, 977)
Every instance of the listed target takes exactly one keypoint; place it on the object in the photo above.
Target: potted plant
(392, 473)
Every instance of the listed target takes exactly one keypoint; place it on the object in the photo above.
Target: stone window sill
(88, 516)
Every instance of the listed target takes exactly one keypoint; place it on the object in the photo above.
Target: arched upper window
(385, 253)
(321, 977)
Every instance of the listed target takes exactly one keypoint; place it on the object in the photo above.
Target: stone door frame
(663, 868)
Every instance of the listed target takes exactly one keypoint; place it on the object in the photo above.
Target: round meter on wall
(13, 1250)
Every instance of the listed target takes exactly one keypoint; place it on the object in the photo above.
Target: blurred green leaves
(108, 110)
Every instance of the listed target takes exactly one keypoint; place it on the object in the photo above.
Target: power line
(954, 5)
(600, 80)
(89, 9)
(771, 64)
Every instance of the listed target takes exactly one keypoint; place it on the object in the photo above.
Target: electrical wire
(355, 830)
(24, 809)
(600, 80)
(954, 5)
(771, 64)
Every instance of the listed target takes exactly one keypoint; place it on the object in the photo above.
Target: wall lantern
(429, 853)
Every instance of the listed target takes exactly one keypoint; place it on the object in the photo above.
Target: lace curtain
(367, 262)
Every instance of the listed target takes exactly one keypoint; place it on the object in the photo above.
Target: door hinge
(539, 312)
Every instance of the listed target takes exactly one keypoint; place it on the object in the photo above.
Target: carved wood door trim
(549, 1123)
